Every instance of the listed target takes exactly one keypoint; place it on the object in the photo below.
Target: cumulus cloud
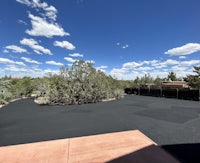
(178, 68)
(144, 68)
(182, 57)
(122, 74)
(40, 27)
(33, 71)
(130, 65)
(54, 63)
(33, 44)
(169, 62)
(8, 61)
(50, 11)
(189, 63)
(29, 60)
(102, 68)
(76, 55)
(70, 59)
(14, 68)
(90, 61)
(184, 50)
(64, 44)
(152, 62)
(47, 71)
(15, 49)
(155, 68)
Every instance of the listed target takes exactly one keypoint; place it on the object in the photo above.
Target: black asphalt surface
(171, 123)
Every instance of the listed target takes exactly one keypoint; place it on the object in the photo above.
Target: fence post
(199, 94)
(177, 92)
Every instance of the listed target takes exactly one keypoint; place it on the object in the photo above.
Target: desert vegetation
(80, 84)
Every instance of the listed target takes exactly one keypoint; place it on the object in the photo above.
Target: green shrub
(81, 84)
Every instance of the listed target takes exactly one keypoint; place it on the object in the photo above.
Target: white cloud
(46, 71)
(26, 2)
(40, 27)
(170, 62)
(90, 61)
(15, 68)
(33, 71)
(182, 57)
(125, 46)
(178, 68)
(76, 55)
(54, 63)
(64, 44)
(189, 63)
(131, 65)
(14, 49)
(122, 74)
(50, 11)
(122, 46)
(161, 74)
(8, 61)
(22, 22)
(152, 62)
(184, 50)
(144, 68)
(35, 46)
(155, 68)
(102, 68)
(29, 60)
(5, 51)
(166, 63)
(70, 59)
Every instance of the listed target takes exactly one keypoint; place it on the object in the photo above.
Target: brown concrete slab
(41, 152)
(128, 146)
(116, 147)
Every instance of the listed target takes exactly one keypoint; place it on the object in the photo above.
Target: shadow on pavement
(150, 154)
(186, 153)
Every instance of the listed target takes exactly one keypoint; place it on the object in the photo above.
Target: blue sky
(123, 38)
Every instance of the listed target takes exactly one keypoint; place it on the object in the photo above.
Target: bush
(41, 101)
(80, 84)
(3, 102)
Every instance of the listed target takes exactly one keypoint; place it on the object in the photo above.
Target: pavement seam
(68, 151)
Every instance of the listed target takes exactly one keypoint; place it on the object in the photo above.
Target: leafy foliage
(5, 86)
(22, 87)
(81, 84)
(194, 80)
(172, 76)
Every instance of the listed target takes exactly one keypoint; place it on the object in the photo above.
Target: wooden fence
(186, 94)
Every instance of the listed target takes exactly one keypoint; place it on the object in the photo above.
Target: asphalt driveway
(168, 122)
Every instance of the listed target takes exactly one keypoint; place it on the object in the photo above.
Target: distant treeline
(82, 83)
(185, 94)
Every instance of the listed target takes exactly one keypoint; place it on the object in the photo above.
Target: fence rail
(185, 94)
